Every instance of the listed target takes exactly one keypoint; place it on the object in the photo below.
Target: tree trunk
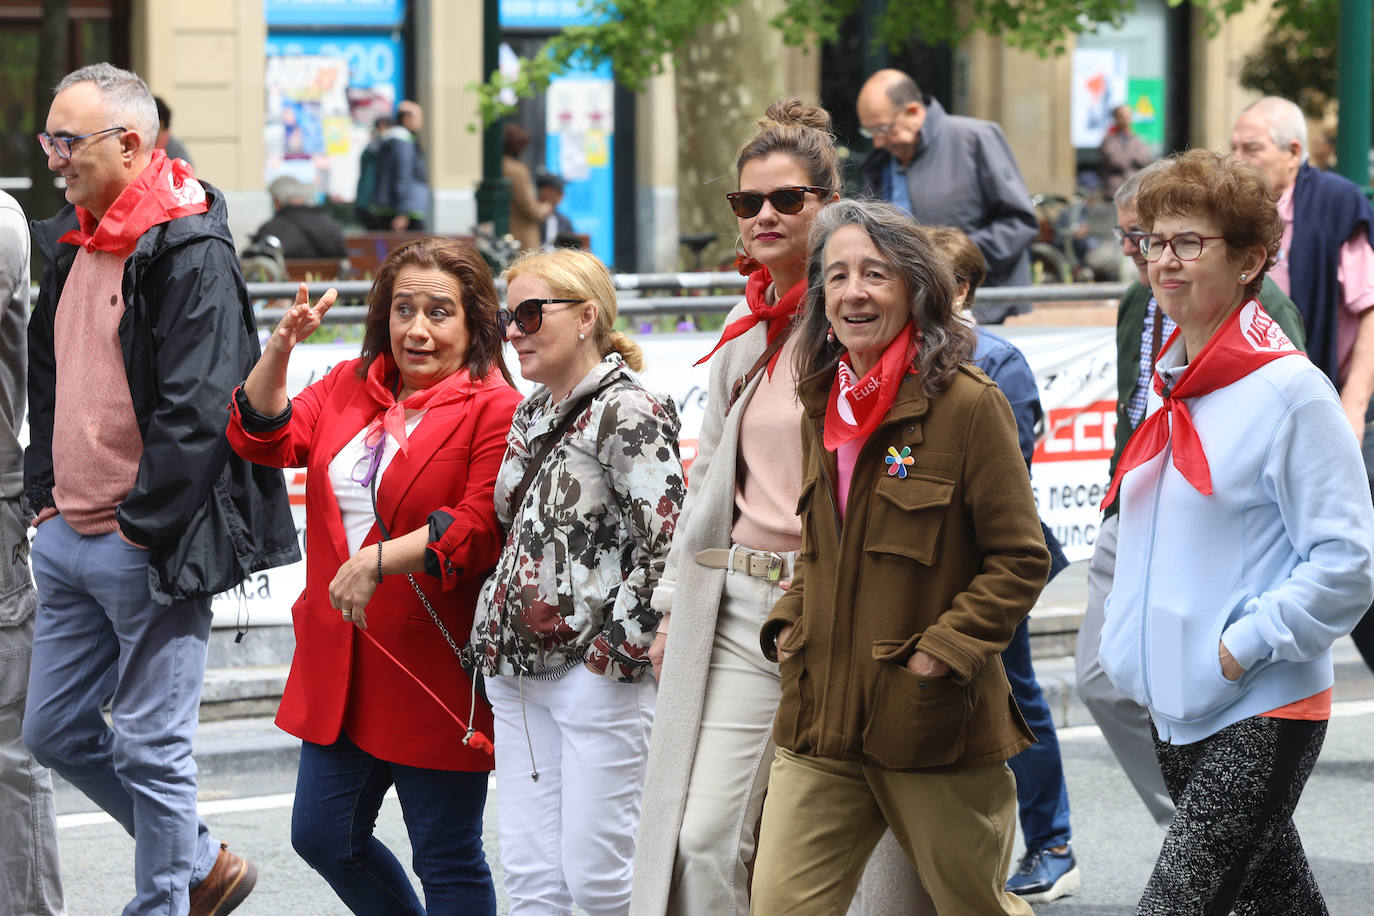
(726, 76)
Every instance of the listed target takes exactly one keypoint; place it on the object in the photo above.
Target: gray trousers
(1124, 724)
(30, 879)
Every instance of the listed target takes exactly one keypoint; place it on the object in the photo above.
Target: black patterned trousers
(1232, 845)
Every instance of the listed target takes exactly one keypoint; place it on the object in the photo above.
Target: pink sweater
(96, 443)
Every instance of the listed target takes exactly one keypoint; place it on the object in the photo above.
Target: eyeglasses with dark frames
(528, 316)
(1187, 246)
(784, 200)
(62, 144)
(1135, 235)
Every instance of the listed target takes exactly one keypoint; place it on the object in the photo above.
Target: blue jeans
(1041, 795)
(100, 637)
(339, 790)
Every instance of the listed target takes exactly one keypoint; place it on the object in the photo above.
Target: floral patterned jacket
(586, 547)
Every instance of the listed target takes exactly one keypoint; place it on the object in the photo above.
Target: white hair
(1285, 121)
(128, 99)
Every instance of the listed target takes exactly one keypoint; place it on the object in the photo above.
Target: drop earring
(830, 334)
(745, 264)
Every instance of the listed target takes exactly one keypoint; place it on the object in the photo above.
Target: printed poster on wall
(1099, 85)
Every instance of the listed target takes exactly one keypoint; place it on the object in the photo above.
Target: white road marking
(1339, 710)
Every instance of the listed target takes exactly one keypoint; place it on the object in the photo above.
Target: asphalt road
(1114, 839)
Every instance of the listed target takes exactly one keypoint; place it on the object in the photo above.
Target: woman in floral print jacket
(564, 625)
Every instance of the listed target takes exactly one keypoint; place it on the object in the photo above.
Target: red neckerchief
(1243, 343)
(166, 190)
(857, 407)
(456, 387)
(778, 316)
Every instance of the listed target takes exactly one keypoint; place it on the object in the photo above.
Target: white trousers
(570, 836)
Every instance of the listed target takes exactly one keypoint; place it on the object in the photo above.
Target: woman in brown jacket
(921, 552)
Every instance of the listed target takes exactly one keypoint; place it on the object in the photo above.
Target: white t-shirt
(355, 500)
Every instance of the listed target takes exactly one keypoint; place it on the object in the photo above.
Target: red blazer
(339, 681)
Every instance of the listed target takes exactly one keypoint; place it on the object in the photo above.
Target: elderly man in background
(949, 170)
(30, 881)
(141, 331)
(1325, 264)
(304, 230)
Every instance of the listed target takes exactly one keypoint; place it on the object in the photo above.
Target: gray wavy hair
(128, 100)
(926, 277)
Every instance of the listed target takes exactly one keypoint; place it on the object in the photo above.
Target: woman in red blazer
(401, 448)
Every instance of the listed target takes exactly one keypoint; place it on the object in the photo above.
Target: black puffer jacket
(209, 517)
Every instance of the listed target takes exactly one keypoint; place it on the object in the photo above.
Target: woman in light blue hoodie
(1244, 551)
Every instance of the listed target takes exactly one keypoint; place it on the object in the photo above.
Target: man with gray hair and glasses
(141, 330)
(1325, 264)
(949, 170)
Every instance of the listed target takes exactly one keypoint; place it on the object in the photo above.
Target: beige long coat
(706, 519)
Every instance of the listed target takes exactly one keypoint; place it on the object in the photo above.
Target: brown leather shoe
(230, 881)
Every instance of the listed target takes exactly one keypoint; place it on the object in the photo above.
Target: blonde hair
(575, 274)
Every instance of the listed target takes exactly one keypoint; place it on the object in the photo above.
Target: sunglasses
(528, 316)
(784, 200)
(1187, 246)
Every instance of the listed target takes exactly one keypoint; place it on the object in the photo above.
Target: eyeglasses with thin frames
(882, 130)
(528, 316)
(785, 200)
(62, 145)
(1187, 246)
(1135, 235)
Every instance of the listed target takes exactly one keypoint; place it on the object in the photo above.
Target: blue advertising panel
(580, 130)
(374, 13)
(542, 14)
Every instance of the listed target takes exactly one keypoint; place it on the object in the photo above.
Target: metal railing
(724, 293)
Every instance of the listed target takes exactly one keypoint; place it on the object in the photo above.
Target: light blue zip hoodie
(1277, 563)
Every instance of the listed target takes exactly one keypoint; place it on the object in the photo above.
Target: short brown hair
(964, 258)
(1232, 193)
(802, 131)
(477, 294)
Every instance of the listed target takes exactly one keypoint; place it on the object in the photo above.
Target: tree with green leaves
(638, 36)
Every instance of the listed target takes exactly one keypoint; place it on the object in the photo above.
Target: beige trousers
(823, 818)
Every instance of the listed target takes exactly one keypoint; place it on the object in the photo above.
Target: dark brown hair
(926, 278)
(1232, 193)
(477, 295)
(802, 131)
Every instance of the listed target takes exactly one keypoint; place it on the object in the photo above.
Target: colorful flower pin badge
(898, 462)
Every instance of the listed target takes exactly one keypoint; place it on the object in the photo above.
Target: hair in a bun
(794, 128)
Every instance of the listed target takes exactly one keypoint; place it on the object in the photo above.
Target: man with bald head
(952, 171)
(141, 331)
(1325, 264)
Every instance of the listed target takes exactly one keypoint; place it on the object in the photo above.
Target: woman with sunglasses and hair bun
(401, 448)
(589, 494)
(736, 542)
